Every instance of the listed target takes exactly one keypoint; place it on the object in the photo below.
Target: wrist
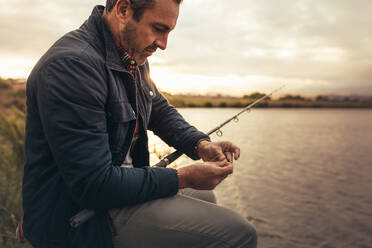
(199, 146)
(182, 178)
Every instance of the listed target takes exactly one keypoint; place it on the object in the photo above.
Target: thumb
(227, 169)
(222, 163)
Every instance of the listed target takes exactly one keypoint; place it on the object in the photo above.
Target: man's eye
(158, 30)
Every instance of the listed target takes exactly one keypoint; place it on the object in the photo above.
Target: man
(90, 101)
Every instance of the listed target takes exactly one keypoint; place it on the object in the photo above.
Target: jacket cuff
(193, 153)
(168, 182)
(196, 147)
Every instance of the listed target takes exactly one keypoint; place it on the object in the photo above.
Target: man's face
(141, 39)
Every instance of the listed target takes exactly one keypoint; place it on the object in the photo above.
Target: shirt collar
(128, 61)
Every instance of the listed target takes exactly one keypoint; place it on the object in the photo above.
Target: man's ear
(123, 9)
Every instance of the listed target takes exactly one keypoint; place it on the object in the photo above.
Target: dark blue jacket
(79, 126)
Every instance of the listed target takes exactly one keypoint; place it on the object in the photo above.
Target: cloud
(315, 45)
(300, 40)
(29, 28)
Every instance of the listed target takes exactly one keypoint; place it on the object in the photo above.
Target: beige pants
(189, 219)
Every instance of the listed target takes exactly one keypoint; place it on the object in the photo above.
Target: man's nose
(162, 41)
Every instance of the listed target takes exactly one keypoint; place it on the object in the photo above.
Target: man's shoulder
(73, 58)
(75, 45)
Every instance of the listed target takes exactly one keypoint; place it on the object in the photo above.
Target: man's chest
(128, 107)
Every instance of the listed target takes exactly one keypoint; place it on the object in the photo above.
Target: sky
(218, 46)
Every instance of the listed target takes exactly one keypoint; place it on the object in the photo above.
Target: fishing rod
(175, 155)
(87, 214)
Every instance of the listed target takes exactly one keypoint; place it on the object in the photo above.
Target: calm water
(304, 178)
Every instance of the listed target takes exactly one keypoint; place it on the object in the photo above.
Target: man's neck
(129, 62)
(108, 19)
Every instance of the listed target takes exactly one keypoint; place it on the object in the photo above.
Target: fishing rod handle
(169, 159)
(81, 217)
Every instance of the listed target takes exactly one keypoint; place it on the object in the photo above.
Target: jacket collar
(99, 29)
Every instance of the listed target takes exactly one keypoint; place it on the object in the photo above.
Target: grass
(12, 158)
(190, 101)
(185, 101)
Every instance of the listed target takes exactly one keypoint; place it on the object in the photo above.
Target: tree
(255, 96)
(293, 97)
(322, 98)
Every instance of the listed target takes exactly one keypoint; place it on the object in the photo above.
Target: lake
(304, 178)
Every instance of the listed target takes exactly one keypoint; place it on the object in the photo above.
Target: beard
(130, 39)
(129, 35)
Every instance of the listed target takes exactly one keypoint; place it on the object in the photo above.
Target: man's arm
(170, 126)
(71, 97)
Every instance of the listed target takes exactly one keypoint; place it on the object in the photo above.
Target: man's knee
(250, 236)
(244, 234)
(209, 196)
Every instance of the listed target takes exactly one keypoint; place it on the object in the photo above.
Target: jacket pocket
(121, 117)
(121, 112)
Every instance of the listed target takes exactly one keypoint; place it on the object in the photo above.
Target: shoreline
(182, 102)
(13, 94)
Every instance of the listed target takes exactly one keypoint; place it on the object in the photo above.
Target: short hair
(138, 6)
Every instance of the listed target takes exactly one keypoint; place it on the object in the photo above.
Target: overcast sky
(230, 47)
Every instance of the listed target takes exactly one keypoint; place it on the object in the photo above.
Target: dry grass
(184, 101)
(12, 158)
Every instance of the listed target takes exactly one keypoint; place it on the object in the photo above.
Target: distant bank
(12, 92)
(288, 101)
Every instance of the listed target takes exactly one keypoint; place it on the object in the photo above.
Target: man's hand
(217, 151)
(203, 176)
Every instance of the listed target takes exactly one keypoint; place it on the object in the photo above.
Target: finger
(216, 153)
(230, 147)
(226, 145)
(229, 157)
(226, 170)
(236, 152)
(222, 163)
(221, 157)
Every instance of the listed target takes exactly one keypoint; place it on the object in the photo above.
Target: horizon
(22, 82)
(237, 49)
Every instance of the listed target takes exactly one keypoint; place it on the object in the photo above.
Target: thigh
(181, 221)
(204, 195)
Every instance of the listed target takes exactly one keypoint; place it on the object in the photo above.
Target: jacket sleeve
(71, 97)
(170, 126)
